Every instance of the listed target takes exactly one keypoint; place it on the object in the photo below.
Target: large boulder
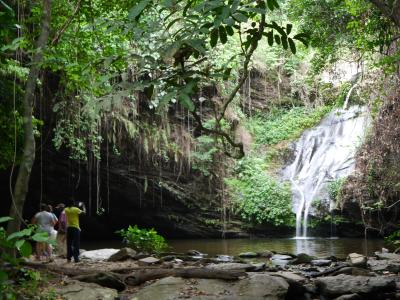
(302, 258)
(335, 286)
(105, 279)
(123, 254)
(256, 286)
(384, 265)
(76, 290)
(357, 260)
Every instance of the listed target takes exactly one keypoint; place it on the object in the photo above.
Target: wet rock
(248, 255)
(75, 290)
(389, 256)
(259, 267)
(168, 258)
(231, 266)
(302, 258)
(357, 260)
(148, 261)
(321, 262)
(335, 286)
(296, 287)
(384, 265)
(123, 254)
(195, 253)
(255, 286)
(104, 279)
(281, 257)
(223, 258)
(352, 271)
(266, 254)
(290, 276)
(98, 255)
(349, 297)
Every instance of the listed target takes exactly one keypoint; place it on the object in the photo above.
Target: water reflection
(313, 246)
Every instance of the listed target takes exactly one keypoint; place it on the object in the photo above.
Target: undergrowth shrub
(258, 197)
(17, 281)
(281, 125)
(143, 240)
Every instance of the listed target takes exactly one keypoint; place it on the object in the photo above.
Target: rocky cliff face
(373, 192)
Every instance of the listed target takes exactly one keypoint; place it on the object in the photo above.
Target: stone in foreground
(357, 260)
(98, 255)
(335, 286)
(76, 290)
(148, 261)
(256, 286)
(123, 254)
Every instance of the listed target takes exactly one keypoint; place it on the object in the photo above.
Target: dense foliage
(259, 197)
(17, 281)
(143, 240)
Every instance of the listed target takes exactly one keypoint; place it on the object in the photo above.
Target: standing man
(73, 230)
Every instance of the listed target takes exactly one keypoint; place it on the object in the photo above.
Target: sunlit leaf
(19, 234)
(292, 45)
(5, 219)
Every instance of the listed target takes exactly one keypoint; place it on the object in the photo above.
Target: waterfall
(322, 154)
(346, 101)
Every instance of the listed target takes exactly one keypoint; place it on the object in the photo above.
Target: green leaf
(240, 17)
(292, 46)
(3, 276)
(284, 42)
(41, 237)
(19, 234)
(138, 9)
(289, 28)
(229, 30)
(26, 249)
(5, 219)
(214, 37)
(277, 39)
(19, 243)
(222, 35)
(270, 36)
(186, 101)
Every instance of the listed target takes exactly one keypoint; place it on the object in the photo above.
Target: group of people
(62, 226)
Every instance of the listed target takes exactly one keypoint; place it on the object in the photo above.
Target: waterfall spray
(323, 153)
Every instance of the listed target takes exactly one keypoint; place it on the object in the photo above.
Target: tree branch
(392, 13)
(56, 39)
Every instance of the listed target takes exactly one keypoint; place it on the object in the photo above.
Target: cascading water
(323, 153)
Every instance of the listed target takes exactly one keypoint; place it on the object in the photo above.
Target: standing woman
(45, 221)
(73, 230)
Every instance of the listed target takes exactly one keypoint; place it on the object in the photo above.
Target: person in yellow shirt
(73, 230)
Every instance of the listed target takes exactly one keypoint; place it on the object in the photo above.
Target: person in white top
(45, 221)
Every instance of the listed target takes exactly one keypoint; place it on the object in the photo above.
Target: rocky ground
(125, 274)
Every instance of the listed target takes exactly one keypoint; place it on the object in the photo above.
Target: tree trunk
(390, 11)
(28, 156)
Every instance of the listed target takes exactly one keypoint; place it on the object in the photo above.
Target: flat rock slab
(98, 255)
(281, 257)
(321, 262)
(289, 276)
(148, 261)
(76, 290)
(256, 286)
(335, 286)
(391, 256)
(231, 266)
(384, 265)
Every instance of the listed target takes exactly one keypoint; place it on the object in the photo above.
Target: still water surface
(320, 247)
